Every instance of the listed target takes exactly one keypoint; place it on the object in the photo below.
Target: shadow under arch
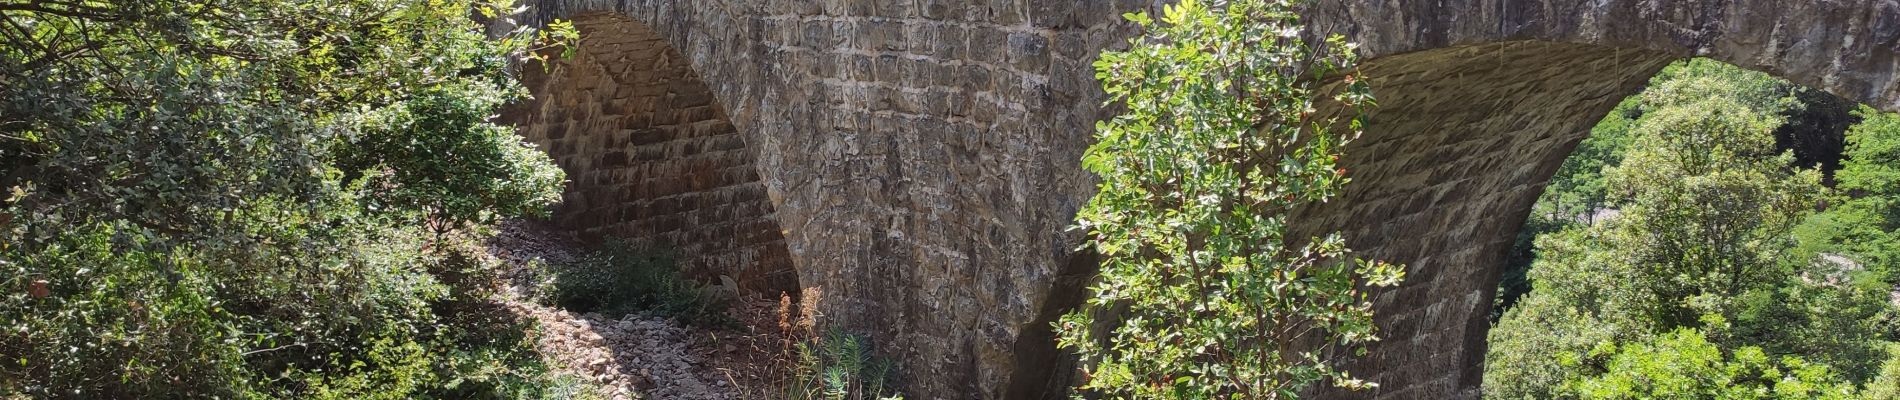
(652, 157)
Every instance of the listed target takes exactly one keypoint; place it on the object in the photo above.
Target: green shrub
(125, 318)
(1215, 296)
(1864, 224)
(1685, 364)
(571, 387)
(839, 366)
(219, 199)
(438, 152)
(621, 279)
(1886, 385)
(109, 324)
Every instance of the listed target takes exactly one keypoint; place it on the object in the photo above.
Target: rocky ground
(637, 356)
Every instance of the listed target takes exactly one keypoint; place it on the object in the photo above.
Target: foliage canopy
(1699, 282)
(221, 199)
(1211, 293)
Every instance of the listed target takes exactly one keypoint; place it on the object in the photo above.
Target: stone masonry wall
(921, 156)
(651, 158)
(1465, 133)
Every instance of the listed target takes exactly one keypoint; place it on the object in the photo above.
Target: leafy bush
(1886, 385)
(213, 199)
(1684, 364)
(1845, 325)
(1563, 313)
(1579, 192)
(122, 318)
(438, 152)
(1214, 296)
(626, 279)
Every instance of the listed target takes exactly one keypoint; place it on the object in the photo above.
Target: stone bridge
(917, 160)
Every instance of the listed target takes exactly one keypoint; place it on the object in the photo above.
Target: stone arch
(1459, 150)
(652, 156)
(1482, 101)
(921, 155)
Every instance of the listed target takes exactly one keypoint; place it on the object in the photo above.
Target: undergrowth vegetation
(621, 278)
(839, 366)
(262, 199)
(833, 366)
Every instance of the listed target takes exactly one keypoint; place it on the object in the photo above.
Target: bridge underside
(652, 158)
(1460, 147)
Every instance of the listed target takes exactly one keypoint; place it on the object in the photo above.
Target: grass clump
(839, 366)
(621, 278)
(835, 366)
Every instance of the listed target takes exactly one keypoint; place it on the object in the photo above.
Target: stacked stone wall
(652, 158)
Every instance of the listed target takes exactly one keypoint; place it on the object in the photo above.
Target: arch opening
(1817, 262)
(652, 156)
(1461, 143)
(1461, 147)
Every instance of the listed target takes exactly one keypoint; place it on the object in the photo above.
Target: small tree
(1219, 142)
(1708, 204)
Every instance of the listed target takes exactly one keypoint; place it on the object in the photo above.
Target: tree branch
(76, 11)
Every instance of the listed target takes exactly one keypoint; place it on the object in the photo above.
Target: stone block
(1029, 52)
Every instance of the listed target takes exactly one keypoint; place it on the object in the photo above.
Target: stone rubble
(631, 357)
(635, 357)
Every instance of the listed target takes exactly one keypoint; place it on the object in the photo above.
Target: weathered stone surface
(651, 156)
(920, 156)
(1465, 139)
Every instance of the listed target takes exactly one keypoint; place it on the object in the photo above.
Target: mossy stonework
(918, 160)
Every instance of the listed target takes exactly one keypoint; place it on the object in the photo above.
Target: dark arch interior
(652, 157)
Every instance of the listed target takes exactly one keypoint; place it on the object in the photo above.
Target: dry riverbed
(638, 356)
